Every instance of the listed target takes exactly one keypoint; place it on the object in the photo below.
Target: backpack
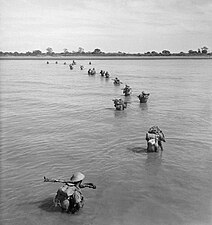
(72, 194)
(76, 201)
(65, 192)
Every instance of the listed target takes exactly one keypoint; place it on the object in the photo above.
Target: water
(55, 121)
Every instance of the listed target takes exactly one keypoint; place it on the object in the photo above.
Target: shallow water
(55, 121)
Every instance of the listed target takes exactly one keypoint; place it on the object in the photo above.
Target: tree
(166, 52)
(96, 51)
(147, 53)
(81, 50)
(49, 51)
(154, 53)
(192, 52)
(28, 53)
(182, 53)
(15, 53)
(204, 50)
(65, 51)
(36, 52)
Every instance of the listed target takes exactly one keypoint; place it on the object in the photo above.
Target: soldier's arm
(57, 180)
(89, 185)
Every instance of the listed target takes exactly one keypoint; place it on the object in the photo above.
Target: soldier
(69, 197)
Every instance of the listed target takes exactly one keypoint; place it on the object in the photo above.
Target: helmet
(76, 177)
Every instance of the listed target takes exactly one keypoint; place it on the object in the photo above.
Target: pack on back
(77, 196)
(65, 192)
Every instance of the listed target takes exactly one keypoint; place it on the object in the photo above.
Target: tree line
(97, 52)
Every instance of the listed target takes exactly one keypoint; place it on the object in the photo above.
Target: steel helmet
(76, 177)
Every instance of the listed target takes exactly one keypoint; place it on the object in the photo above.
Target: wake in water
(139, 150)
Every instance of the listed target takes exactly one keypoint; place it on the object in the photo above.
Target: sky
(131, 26)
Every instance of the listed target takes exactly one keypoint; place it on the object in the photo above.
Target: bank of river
(74, 57)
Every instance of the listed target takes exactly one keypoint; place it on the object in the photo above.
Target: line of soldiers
(69, 197)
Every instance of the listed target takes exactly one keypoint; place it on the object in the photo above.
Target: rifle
(58, 181)
(69, 183)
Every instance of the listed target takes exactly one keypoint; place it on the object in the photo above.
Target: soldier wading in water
(69, 197)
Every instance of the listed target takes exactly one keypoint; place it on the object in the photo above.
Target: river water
(56, 121)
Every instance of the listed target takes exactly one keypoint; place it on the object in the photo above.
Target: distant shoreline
(102, 57)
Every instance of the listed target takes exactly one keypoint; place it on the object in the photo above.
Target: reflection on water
(153, 162)
(47, 205)
(120, 113)
(127, 99)
(143, 106)
(139, 150)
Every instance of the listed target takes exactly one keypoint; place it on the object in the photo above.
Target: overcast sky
(111, 25)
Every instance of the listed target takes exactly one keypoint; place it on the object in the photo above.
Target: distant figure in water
(143, 97)
(117, 81)
(119, 104)
(102, 73)
(154, 138)
(64, 63)
(107, 75)
(56, 62)
(47, 62)
(127, 90)
(92, 71)
(89, 72)
(71, 67)
(89, 63)
(81, 67)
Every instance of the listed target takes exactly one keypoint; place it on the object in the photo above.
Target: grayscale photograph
(106, 112)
